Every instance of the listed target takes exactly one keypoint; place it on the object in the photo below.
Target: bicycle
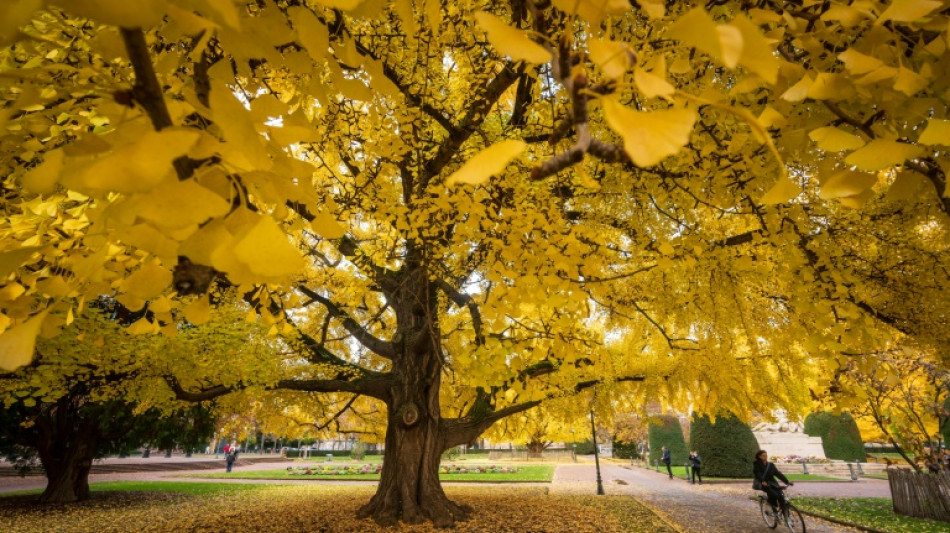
(790, 515)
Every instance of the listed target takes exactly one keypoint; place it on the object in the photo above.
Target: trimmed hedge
(840, 436)
(666, 431)
(726, 448)
(625, 450)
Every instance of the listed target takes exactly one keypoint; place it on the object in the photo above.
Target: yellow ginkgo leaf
(42, 178)
(909, 82)
(141, 326)
(12, 259)
(830, 86)
(783, 191)
(613, 57)
(314, 36)
(908, 10)
(857, 63)
(905, 186)
(327, 226)
(510, 41)
(13, 14)
(18, 342)
(649, 136)
(162, 304)
(145, 237)
(136, 167)
(799, 91)
(655, 9)
(846, 15)
(247, 146)
(344, 5)
(266, 251)
(846, 183)
(198, 312)
(757, 54)
(651, 85)
(832, 139)
(936, 132)
(177, 204)
(593, 11)
(138, 14)
(696, 28)
(487, 163)
(148, 281)
(880, 154)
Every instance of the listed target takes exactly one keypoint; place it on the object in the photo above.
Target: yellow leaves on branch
(594, 11)
(738, 43)
(880, 154)
(613, 57)
(487, 163)
(649, 136)
(138, 14)
(908, 10)
(510, 41)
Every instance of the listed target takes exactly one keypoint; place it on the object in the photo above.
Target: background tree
(670, 186)
(727, 446)
(840, 436)
(665, 430)
(903, 392)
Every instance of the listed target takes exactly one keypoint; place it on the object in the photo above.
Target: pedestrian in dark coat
(666, 460)
(231, 457)
(695, 464)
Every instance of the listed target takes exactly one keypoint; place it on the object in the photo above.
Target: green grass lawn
(197, 488)
(872, 512)
(680, 471)
(536, 473)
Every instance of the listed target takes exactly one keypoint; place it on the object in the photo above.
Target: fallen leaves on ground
(317, 509)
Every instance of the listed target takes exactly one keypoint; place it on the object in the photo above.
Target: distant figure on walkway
(231, 457)
(695, 464)
(765, 473)
(666, 460)
(226, 449)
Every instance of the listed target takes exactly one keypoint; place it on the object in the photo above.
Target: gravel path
(702, 508)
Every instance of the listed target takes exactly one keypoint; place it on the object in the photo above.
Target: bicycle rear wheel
(771, 519)
(794, 520)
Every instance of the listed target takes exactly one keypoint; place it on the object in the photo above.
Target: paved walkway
(712, 507)
(704, 508)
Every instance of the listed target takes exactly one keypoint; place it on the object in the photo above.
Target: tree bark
(409, 487)
(67, 461)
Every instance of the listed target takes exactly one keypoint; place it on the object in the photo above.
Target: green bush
(726, 448)
(625, 450)
(666, 431)
(585, 447)
(840, 436)
(358, 451)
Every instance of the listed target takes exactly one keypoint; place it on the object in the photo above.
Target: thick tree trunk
(409, 487)
(67, 468)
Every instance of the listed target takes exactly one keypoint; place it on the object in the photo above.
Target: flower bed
(333, 470)
(799, 459)
(477, 469)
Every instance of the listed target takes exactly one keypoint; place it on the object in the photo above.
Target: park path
(711, 507)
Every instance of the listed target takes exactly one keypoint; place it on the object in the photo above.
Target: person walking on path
(695, 464)
(765, 473)
(231, 457)
(666, 460)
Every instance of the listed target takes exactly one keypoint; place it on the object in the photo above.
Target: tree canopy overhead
(462, 209)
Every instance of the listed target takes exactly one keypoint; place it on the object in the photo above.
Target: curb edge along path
(691, 508)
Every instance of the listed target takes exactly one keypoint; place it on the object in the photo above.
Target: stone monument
(787, 438)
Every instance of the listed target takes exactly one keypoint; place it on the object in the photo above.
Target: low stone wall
(834, 469)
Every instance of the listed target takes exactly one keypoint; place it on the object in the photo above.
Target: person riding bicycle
(765, 473)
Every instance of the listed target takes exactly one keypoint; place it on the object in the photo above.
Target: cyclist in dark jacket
(765, 474)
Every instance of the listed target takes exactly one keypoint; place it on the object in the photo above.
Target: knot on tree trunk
(192, 278)
(408, 414)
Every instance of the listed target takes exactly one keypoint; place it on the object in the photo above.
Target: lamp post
(573, 446)
(593, 434)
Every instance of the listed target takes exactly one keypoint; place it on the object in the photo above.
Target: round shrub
(666, 431)
(726, 448)
(840, 436)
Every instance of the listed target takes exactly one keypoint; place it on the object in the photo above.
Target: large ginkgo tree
(462, 209)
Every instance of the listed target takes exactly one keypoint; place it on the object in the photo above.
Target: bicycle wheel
(768, 515)
(794, 520)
